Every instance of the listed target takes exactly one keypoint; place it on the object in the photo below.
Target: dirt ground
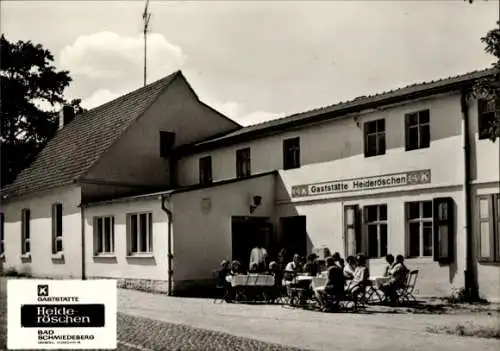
(377, 328)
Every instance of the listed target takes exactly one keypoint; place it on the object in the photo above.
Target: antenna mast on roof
(146, 16)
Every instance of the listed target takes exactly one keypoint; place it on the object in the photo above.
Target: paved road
(136, 333)
(308, 329)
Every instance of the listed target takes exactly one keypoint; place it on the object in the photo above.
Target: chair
(221, 291)
(373, 295)
(405, 294)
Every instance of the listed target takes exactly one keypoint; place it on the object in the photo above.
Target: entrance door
(294, 235)
(247, 232)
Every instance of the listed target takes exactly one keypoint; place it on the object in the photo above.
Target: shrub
(460, 296)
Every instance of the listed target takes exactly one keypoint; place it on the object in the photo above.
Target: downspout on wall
(471, 286)
(82, 214)
(164, 199)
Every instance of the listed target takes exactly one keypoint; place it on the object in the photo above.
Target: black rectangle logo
(62, 316)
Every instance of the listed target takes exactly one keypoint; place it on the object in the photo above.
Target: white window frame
(421, 221)
(149, 234)
(379, 136)
(243, 162)
(291, 153)
(103, 236)
(25, 231)
(57, 233)
(378, 223)
(419, 127)
(493, 221)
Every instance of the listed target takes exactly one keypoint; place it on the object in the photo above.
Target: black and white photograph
(250, 175)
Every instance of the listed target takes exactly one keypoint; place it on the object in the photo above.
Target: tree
(489, 88)
(28, 80)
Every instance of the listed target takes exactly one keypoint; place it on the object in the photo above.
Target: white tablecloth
(379, 280)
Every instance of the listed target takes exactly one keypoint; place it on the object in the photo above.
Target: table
(300, 278)
(251, 287)
(251, 280)
(378, 281)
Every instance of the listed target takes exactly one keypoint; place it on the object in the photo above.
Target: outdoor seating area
(328, 285)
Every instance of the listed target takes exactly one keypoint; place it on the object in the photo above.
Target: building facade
(405, 172)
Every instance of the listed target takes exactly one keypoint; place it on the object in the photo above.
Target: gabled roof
(340, 109)
(75, 148)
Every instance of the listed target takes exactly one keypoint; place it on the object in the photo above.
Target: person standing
(258, 257)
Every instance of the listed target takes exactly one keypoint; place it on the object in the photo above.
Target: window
(243, 162)
(376, 230)
(352, 233)
(167, 140)
(57, 238)
(140, 233)
(291, 153)
(25, 231)
(2, 234)
(488, 231)
(443, 227)
(104, 235)
(375, 138)
(419, 241)
(206, 170)
(418, 133)
(486, 116)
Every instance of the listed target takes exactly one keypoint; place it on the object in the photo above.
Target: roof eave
(327, 115)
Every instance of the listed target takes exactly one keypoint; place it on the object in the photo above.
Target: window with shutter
(352, 233)
(488, 227)
(444, 229)
(419, 242)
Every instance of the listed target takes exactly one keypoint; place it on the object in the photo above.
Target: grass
(468, 329)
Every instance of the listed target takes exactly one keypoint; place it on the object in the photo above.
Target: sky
(257, 60)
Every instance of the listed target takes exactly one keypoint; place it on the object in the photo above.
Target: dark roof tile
(76, 147)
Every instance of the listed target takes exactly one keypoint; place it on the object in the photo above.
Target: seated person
(311, 268)
(361, 276)
(338, 260)
(397, 275)
(349, 268)
(292, 268)
(236, 268)
(334, 288)
(222, 273)
(253, 268)
(390, 263)
(222, 283)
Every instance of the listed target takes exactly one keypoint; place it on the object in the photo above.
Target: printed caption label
(61, 314)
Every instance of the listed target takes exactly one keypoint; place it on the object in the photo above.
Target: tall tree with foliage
(489, 87)
(29, 79)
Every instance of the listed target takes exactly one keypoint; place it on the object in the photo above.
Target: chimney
(66, 115)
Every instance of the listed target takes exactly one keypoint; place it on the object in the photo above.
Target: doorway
(247, 232)
(294, 235)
